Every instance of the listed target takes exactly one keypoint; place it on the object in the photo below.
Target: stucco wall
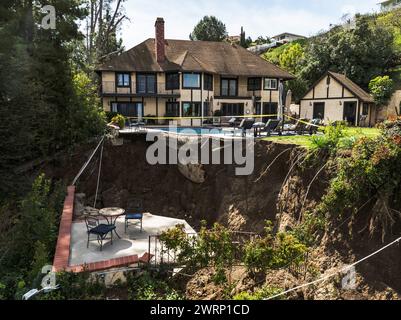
(333, 110)
(335, 90)
(108, 79)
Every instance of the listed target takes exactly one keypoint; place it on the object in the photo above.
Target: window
(208, 82)
(229, 87)
(270, 84)
(172, 81)
(206, 109)
(270, 109)
(123, 79)
(191, 81)
(191, 109)
(254, 84)
(128, 109)
(258, 108)
(146, 83)
(172, 109)
(365, 109)
(232, 109)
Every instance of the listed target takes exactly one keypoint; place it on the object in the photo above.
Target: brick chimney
(160, 41)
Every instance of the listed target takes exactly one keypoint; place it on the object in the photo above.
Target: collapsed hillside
(285, 183)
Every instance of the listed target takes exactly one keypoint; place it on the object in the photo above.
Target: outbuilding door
(350, 112)
(318, 110)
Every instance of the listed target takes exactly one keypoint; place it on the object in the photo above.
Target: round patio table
(111, 215)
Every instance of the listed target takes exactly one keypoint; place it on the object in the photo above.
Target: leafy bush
(119, 120)
(260, 294)
(29, 243)
(333, 134)
(273, 251)
(381, 89)
(212, 247)
(150, 287)
(87, 117)
(306, 231)
(76, 286)
(371, 168)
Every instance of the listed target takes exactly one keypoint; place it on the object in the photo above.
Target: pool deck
(212, 132)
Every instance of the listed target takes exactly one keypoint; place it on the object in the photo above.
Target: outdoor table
(113, 214)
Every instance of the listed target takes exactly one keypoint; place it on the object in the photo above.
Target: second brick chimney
(160, 41)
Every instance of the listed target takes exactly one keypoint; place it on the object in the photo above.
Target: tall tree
(209, 29)
(38, 97)
(361, 52)
(104, 22)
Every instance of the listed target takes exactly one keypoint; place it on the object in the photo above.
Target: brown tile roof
(197, 56)
(352, 86)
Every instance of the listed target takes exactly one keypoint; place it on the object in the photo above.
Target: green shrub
(119, 120)
(212, 247)
(273, 251)
(381, 89)
(306, 231)
(330, 141)
(259, 294)
(148, 286)
(77, 286)
(370, 170)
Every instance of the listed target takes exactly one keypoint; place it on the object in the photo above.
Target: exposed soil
(243, 203)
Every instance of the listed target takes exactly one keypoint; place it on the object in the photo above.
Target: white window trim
(269, 81)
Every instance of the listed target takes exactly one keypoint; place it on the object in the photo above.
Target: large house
(390, 5)
(334, 97)
(288, 37)
(177, 78)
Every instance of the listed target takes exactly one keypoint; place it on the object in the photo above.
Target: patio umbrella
(140, 113)
(280, 114)
(288, 99)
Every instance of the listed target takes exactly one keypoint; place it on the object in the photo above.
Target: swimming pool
(196, 131)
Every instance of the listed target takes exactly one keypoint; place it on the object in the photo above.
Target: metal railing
(166, 258)
(110, 87)
(163, 256)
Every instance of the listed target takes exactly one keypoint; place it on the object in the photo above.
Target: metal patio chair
(134, 212)
(99, 230)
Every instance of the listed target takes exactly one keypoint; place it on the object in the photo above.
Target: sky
(258, 17)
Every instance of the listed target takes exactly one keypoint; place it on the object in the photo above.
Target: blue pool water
(193, 131)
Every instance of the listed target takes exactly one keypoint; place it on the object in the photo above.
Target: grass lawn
(305, 141)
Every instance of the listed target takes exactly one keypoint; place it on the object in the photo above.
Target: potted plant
(119, 120)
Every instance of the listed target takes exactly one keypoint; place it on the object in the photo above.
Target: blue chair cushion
(102, 229)
(133, 216)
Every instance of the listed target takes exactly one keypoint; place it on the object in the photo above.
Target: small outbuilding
(334, 97)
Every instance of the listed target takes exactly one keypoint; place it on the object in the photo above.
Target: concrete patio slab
(131, 243)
